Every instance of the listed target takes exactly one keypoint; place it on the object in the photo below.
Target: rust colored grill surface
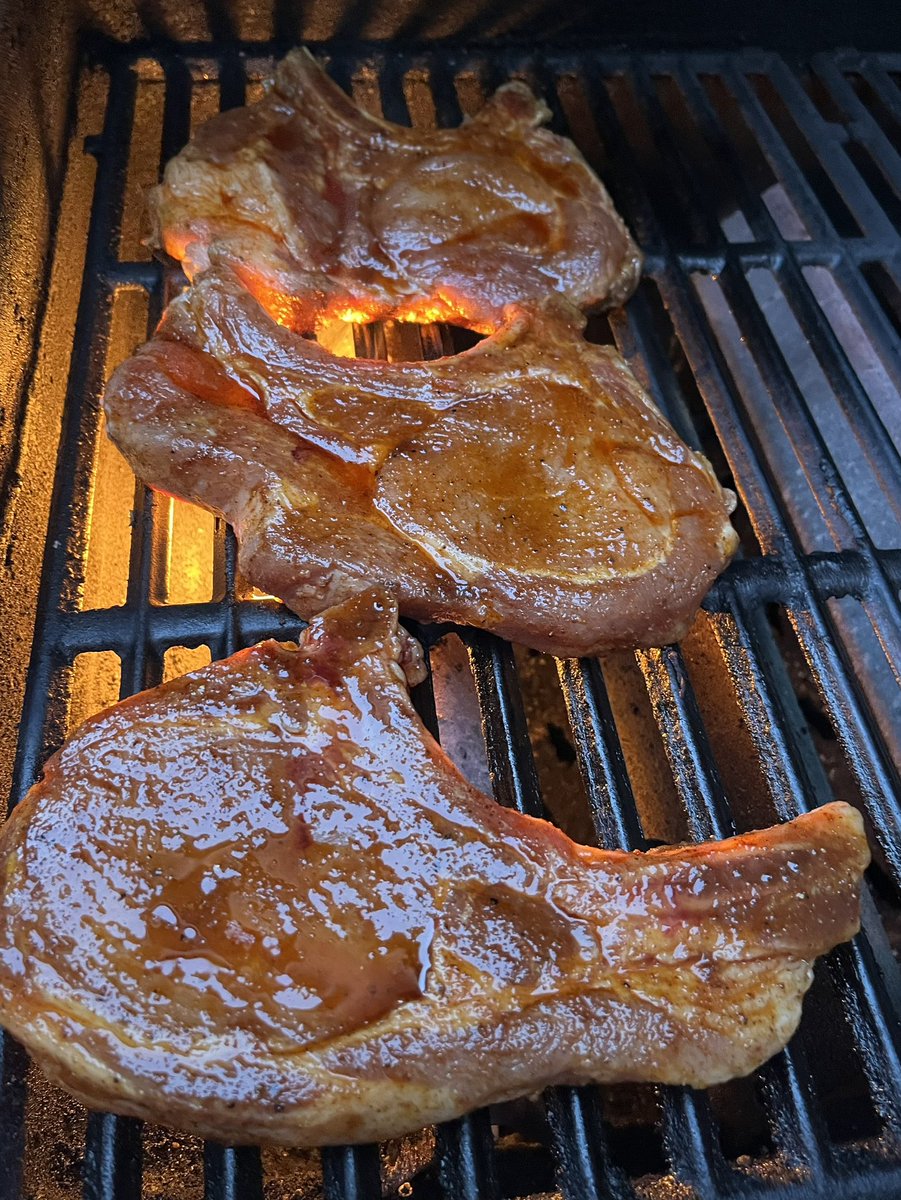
(766, 195)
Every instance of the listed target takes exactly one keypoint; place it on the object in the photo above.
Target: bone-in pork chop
(527, 486)
(260, 903)
(320, 203)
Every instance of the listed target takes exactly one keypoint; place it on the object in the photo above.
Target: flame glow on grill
(178, 660)
(187, 537)
(337, 337)
(94, 684)
(317, 312)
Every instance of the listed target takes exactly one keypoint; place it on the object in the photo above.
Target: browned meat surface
(258, 902)
(527, 486)
(319, 203)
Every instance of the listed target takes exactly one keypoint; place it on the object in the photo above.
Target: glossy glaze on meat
(320, 205)
(527, 486)
(259, 903)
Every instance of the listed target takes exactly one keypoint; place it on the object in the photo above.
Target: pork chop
(317, 203)
(528, 486)
(259, 903)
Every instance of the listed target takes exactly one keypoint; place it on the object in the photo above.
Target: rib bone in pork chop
(528, 485)
(259, 903)
(323, 204)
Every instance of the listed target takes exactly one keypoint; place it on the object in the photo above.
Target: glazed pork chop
(259, 903)
(320, 205)
(528, 486)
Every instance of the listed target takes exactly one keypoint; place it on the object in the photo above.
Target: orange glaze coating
(321, 206)
(528, 486)
(258, 902)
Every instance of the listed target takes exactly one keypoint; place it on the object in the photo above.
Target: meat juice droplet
(162, 915)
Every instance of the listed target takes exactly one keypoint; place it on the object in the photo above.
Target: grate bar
(688, 1129)
(795, 1120)
(688, 751)
(13, 1070)
(510, 762)
(351, 1173)
(797, 782)
(871, 1017)
(688, 1124)
(464, 1146)
(466, 1158)
(137, 668)
(691, 1142)
(600, 754)
(231, 1173)
(879, 79)
(818, 464)
(85, 383)
(448, 112)
(585, 1167)
(232, 77)
(182, 624)
(112, 1158)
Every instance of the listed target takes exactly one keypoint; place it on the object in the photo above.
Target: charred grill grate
(765, 196)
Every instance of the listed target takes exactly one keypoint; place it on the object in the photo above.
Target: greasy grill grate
(764, 196)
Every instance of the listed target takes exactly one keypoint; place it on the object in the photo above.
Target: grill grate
(763, 194)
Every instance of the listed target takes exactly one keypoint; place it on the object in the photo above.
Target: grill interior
(766, 195)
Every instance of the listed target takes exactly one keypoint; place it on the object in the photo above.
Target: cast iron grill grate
(764, 195)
